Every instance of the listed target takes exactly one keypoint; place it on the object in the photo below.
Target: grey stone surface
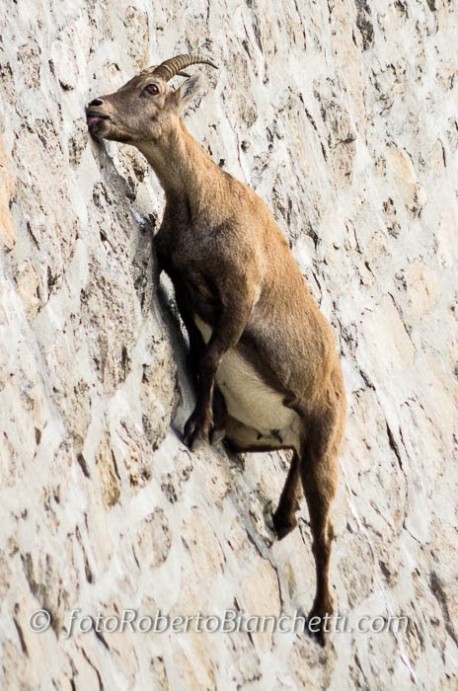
(343, 116)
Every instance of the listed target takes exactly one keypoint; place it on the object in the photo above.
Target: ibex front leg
(196, 351)
(226, 333)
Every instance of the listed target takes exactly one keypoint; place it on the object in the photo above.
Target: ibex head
(146, 107)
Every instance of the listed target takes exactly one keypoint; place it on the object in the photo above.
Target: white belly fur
(248, 398)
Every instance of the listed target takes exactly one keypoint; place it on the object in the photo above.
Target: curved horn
(169, 68)
(151, 70)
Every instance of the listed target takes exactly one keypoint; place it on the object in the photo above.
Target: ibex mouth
(93, 119)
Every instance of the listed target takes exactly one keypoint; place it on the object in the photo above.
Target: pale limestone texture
(342, 115)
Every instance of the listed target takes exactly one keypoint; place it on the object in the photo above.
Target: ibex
(263, 356)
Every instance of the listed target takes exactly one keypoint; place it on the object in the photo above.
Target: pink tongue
(92, 121)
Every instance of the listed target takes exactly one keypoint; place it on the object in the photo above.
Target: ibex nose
(96, 102)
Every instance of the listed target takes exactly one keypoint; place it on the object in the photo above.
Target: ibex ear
(188, 91)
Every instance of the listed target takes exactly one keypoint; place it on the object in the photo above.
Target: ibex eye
(152, 89)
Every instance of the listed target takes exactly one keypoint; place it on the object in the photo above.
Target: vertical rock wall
(342, 115)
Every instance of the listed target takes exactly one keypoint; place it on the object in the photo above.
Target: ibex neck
(183, 168)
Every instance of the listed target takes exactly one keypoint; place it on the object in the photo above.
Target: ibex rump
(263, 355)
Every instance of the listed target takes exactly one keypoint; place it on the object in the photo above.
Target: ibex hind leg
(319, 473)
(284, 518)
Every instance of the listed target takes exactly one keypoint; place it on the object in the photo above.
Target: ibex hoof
(194, 441)
(283, 525)
(318, 636)
(319, 622)
(194, 436)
